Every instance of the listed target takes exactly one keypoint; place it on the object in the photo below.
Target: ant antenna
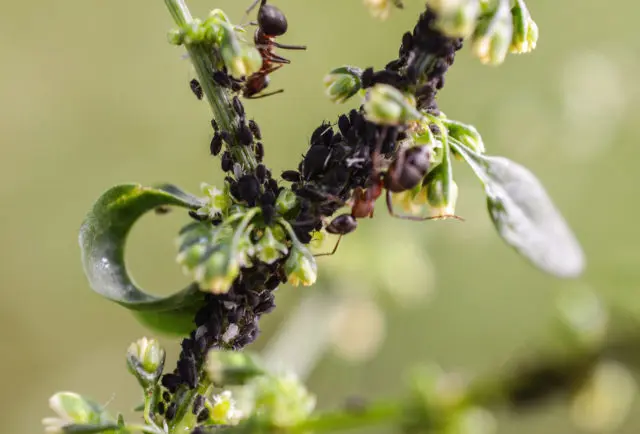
(250, 8)
(264, 95)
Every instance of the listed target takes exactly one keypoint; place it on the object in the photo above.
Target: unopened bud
(145, 360)
(456, 18)
(218, 271)
(381, 9)
(605, 399)
(525, 30)
(386, 105)
(230, 368)
(442, 193)
(269, 249)
(283, 400)
(176, 37)
(492, 37)
(342, 83)
(301, 267)
(240, 60)
(215, 201)
(287, 201)
(76, 414)
(468, 135)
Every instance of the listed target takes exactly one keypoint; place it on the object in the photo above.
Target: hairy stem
(203, 60)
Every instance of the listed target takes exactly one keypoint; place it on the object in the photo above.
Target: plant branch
(203, 59)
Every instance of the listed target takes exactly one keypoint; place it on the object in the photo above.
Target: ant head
(342, 225)
(271, 20)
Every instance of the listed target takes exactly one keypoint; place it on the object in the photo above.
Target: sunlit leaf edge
(102, 241)
(555, 251)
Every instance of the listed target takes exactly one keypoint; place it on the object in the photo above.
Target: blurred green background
(91, 95)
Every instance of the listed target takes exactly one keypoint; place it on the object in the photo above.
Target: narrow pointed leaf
(103, 237)
(524, 214)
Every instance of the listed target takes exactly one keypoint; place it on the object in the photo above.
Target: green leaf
(102, 239)
(524, 215)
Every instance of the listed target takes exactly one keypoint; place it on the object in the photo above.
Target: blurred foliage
(93, 95)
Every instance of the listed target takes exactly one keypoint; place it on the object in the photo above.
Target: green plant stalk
(203, 61)
(375, 414)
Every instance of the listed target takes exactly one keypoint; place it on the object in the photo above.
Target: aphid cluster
(225, 321)
(337, 164)
(347, 167)
(424, 44)
(247, 134)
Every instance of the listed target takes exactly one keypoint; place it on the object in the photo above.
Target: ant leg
(272, 57)
(332, 251)
(288, 47)
(270, 70)
(417, 218)
(264, 95)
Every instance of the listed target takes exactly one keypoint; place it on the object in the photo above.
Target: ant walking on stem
(271, 23)
(405, 172)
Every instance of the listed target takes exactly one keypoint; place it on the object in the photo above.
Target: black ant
(271, 23)
(404, 173)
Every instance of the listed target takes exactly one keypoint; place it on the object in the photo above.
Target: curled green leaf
(524, 214)
(103, 237)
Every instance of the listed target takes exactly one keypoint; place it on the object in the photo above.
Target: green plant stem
(376, 414)
(203, 60)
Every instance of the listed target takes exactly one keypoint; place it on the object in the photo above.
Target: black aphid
(226, 162)
(196, 88)
(238, 107)
(291, 176)
(261, 172)
(259, 152)
(171, 411)
(245, 137)
(255, 129)
(216, 144)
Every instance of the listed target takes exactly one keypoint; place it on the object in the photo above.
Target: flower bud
(386, 105)
(342, 83)
(176, 37)
(218, 271)
(269, 249)
(492, 37)
(380, 9)
(215, 201)
(76, 414)
(466, 134)
(145, 360)
(195, 32)
(223, 409)
(240, 60)
(301, 267)
(230, 368)
(604, 400)
(442, 193)
(282, 400)
(245, 249)
(286, 201)
(525, 30)
(457, 18)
